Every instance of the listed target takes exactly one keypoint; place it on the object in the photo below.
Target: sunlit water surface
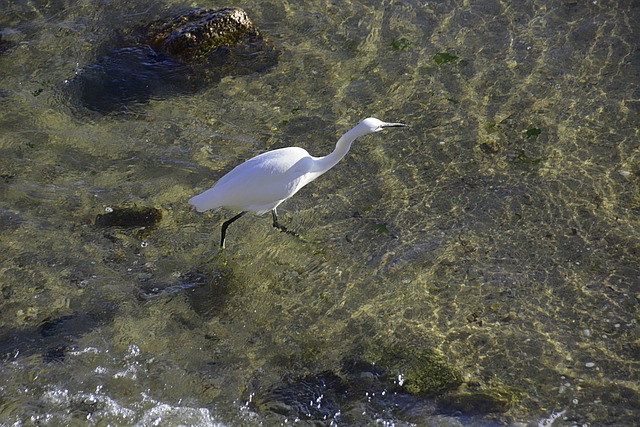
(502, 227)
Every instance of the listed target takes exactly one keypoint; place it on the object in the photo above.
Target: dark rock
(52, 338)
(129, 217)
(54, 354)
(419, 370)
(207, 293)
(333, 396)
(125, 77)
(480, 402)
(194, 35)
(10, 220)
(314, 397)
(173, 56)
(5, 45)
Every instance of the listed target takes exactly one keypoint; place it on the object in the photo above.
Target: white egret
(260, 184)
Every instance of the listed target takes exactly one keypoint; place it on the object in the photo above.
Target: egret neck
(323, 164)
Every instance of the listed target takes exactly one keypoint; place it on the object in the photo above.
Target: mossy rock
(182, 54)
(481, 402)
(194, 35)
(419, 370)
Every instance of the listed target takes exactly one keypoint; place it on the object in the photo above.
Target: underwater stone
(313, 397)
(5, 45)
(173, 56)
(420, 370)
(194, 35)
(129, 217)
(480, 402)
(124, 77)
(332, 395)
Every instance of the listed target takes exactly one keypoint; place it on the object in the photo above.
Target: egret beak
(392, 125)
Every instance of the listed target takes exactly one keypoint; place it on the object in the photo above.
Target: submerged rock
(5, 45)
(178, 55)
(395, 376)
(194, 35)
(129, 217)
(419, 370)
(312, 397)
(52, 338)
(124, 77)
(481, 401)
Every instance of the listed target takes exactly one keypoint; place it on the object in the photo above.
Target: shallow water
(501, 228)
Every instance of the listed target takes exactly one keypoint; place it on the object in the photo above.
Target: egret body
(260, 184)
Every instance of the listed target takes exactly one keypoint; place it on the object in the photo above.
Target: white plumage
(262, 183)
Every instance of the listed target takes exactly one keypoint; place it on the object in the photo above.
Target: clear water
(502, 227)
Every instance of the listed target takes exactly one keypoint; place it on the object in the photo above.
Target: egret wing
(259, 184)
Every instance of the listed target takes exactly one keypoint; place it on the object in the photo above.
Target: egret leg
(226, 225)
(276, 224)
(279, 226)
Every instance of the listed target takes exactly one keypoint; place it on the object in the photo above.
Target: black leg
(226, 225)
(280, 227)
(276, 224)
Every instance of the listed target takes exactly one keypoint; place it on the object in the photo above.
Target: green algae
(490, 400)
(532, 132)
(401, 43)
(444, 57)
(422, 372)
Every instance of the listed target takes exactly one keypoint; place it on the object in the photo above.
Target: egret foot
(281, 227)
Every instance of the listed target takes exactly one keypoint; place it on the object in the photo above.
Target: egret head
(372, 125)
